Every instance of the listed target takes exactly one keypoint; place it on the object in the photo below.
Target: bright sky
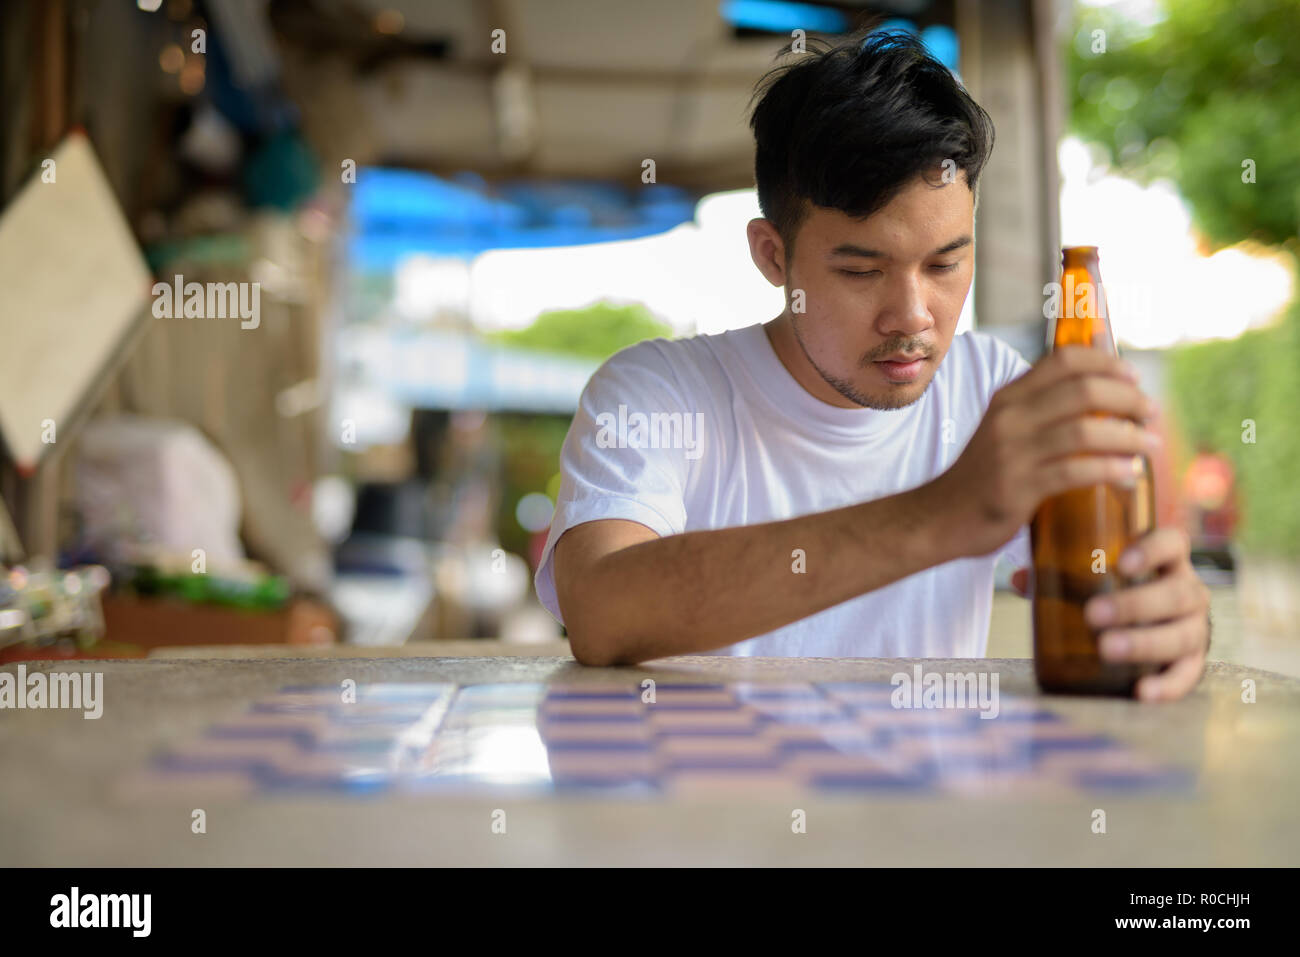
(1159, 288)
(698, 277)
(1142, 11)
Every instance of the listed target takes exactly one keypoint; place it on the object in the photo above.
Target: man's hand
(1165, 620)
(1039, 437)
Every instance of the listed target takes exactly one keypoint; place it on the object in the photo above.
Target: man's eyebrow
(960, 242)
(851, 249)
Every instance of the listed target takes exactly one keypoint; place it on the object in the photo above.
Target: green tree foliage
(1213, 84)
(1240, 397)
(532, 456)
(595, 332)
(532, 442)
(1191, 98)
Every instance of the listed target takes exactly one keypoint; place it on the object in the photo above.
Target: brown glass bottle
(1078, 536)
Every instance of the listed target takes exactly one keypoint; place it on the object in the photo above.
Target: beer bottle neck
(1083, 317)
(1080, 257)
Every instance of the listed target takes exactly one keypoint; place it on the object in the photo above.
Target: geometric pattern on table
(736, 739)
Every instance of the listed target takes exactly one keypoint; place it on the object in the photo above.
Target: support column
(1010, 64)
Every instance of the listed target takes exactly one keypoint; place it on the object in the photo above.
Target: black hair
(849, 125)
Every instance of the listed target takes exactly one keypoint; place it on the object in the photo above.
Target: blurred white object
(527, 624)
(482, 577)
(211, 142)
(381, 609)
(333, 506)
(368, 416)
(159, 482)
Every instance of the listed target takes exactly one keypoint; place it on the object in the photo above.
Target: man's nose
(905, 312)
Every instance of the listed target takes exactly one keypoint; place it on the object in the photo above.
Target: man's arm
(628, 595)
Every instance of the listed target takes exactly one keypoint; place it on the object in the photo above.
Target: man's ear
(767, 250)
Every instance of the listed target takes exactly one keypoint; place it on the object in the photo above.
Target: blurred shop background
(431, 221)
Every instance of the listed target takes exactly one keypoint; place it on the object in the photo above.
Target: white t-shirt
(748, 445)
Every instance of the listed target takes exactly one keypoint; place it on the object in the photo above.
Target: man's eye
(850, 272)
(945, 267)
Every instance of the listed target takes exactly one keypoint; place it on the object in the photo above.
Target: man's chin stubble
(886, 403)
(879, 403)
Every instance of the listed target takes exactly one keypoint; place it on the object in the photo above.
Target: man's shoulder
(687, 363)
(987, 346)
(986, 358)
(662, 350)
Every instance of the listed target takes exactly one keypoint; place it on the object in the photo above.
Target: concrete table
(61, 798)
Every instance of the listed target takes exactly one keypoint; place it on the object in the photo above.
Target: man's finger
(1168, 641)
(1072, 361)
(1072, 400)
(1170, 596)
(1174, 682)
(1155, 550)
(1020, 581)
(1061, 364)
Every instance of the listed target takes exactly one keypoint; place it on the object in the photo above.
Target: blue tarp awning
(398, 212)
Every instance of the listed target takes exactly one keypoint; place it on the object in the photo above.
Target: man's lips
(902, 370)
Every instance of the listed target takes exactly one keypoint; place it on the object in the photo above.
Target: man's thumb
(1020, 581)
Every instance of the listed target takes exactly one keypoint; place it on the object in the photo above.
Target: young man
(839, 481)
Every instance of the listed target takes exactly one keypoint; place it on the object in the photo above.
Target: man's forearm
(697, 591)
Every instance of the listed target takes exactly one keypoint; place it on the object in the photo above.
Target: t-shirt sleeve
(1017, 551)
(619, 460)
(1009, 365)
